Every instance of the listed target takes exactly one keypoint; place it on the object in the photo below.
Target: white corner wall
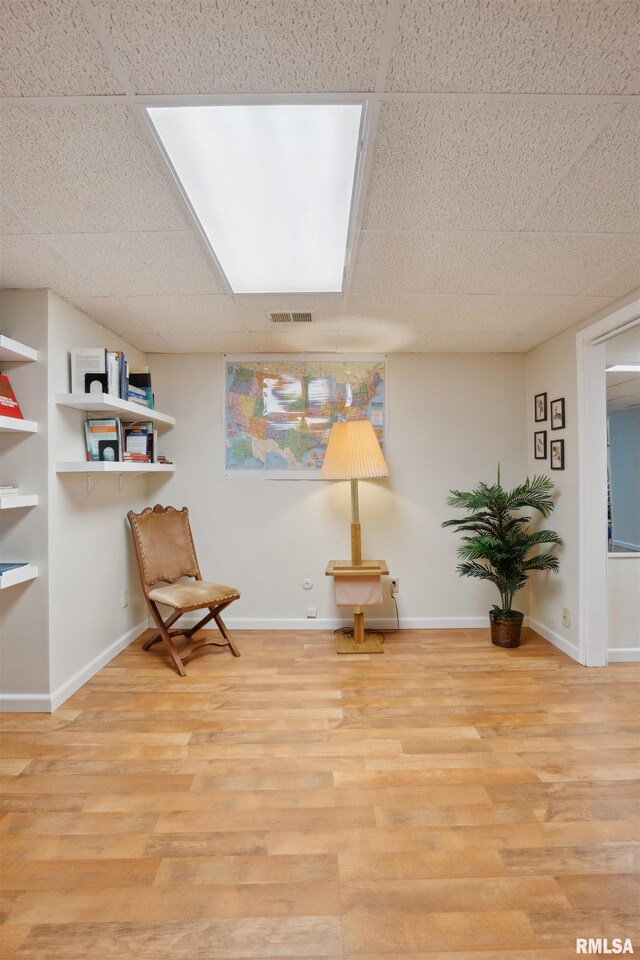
(452, 418)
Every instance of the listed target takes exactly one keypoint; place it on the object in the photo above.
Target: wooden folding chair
(165, 554)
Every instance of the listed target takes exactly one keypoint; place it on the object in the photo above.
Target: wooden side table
(362, 580)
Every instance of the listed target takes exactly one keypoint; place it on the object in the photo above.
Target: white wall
(91, 554)
(452, 417)
(623, 586)
(24, 608)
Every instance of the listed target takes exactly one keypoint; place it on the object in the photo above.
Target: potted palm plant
(498, 547)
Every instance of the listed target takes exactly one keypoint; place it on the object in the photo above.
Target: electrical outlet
(395, 586)
(312, 613)
(125, 598)
(566, 617)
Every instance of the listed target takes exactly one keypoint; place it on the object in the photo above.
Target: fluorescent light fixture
(272, 186)
(624, 368)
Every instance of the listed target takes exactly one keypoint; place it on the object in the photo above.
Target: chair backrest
(164, 545)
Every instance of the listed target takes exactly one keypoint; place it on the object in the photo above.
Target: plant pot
(505, 631)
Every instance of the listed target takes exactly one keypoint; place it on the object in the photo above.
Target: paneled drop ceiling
(501, 199)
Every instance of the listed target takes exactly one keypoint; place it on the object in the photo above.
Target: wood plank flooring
(448, 800)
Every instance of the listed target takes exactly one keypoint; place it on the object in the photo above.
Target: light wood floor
(447, 800)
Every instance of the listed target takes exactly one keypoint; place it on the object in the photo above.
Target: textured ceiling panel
(518, 314)
(516, 46)
(469, 165)
(378, 341)
(229, 46)
(215, 342)
(28, 262)
(325, 309)
(189, 314)
(445, 342)
(523, 342)
(142, 264)
(602, 191)
(392, 263)
(297, 340)
(619, 282)
(106, 310)
(10, 224)
(48, 49)
(76, 168)
(372, 313)
(149, 343)
(542, 263)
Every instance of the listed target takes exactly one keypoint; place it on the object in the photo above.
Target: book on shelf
(140, 379)
(8, 489)
(10, 566)
(103, 438)
(138, 441)
(87, 362)
(8, 404)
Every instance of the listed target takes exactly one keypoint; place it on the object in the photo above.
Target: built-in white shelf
(17, 425)
(12, 501)
(105, 403)
(13, 350)
(114, 466)
(18, 575)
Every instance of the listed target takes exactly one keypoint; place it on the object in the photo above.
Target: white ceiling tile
(326, 309)
(106, 310)
(296, 340)
(516, 46)
(518, 314)
(10, 224)
(542, 263)
(183, 314)
(77, 167)
(618, 282)
(441, 341)
(403, 312)
(390, 263)
(601, 192)
(469, 165)
(29, 262)
(378, 341)
(229, 46)
(142, 264)
(523, 342)
(215, 342)
(48, 49)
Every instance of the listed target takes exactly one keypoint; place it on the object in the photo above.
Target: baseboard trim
(571, 649)
(45, 703)
(25, 703)
(69, 687)
(623, 655)
(333, 623)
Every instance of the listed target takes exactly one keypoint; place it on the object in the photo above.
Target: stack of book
(8, 404)
(96, 370)
(109, 439)
(8, 489)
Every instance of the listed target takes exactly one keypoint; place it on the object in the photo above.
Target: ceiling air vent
(290, 317)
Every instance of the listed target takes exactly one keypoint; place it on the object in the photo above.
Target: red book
(8, 403)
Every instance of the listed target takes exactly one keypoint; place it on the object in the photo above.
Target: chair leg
(163, 634)
(221, 628)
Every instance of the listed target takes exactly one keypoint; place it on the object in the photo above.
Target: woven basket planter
(505, 631)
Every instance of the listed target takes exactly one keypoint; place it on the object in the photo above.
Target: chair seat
(192, 595)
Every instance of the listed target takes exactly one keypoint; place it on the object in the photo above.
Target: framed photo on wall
(557, 414)
(540, 407)
(557, 455)
(540, 445)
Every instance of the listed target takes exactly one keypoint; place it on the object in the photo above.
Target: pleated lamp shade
(353, 452)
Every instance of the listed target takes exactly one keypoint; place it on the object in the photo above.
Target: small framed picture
(540, 445)
(557, 414)
(557, 454)
(540, 407)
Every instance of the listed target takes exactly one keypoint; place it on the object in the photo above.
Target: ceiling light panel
(272, 187)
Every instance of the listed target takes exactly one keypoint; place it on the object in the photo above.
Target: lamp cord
(347, 632)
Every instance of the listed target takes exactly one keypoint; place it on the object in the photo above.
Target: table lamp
(353, 453)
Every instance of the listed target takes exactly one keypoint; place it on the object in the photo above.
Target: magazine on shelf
(86, 360)
(103, 437)
(137, 441)
(140, 378)
(8, 404)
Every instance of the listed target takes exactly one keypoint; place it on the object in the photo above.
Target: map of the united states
(279, 413)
